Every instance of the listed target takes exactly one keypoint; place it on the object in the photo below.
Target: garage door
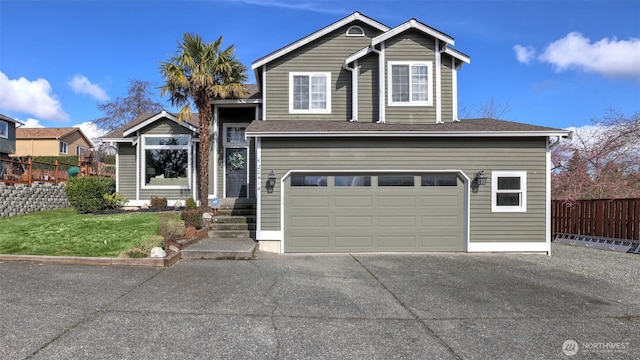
(373, 212)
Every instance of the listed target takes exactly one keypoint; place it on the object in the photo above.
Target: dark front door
(236, 172)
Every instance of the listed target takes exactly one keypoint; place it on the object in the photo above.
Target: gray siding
(127, 170)
(469, 155)
(446, 90)
(368, 97)
(324, 55)
(410, 46)
(8, 146)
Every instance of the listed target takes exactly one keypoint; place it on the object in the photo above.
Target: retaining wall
(23, 199)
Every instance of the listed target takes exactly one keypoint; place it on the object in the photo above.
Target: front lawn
(64, 232)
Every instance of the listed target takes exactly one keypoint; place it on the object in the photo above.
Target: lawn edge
(167, 261)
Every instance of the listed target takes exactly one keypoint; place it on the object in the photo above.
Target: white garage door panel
(373, 218)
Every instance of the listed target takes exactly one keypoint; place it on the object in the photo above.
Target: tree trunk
(204, 155)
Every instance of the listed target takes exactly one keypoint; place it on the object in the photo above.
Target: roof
(6, 118)
(44, 133)
(412, 24)
(144, 120)
(462, 128)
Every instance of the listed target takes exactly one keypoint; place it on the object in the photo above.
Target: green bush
(158, 202)
(192, 218)
(115, 200)
(191, 204)
(86, 194)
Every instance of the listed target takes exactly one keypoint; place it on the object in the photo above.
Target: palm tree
(200, 72)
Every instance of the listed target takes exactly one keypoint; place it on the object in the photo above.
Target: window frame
(4, 129)
(64, 147)
(495, 191)
(143, 159)
(410, 64)
(327, 109)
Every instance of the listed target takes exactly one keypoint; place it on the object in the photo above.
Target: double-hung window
(166, 161)
(4, 129)
(410, 83)
(64, 147)
(508, 191)
(310, 93)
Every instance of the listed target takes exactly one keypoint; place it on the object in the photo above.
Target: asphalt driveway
(425, 306)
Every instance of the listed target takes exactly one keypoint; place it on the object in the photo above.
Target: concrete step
(233, 219)
(221, 249)
(237, 212)
(231, 234)
(239, 203)
(242, 226)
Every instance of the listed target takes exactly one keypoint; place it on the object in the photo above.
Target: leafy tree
(603, 160)
(198, 73)
(122, 110)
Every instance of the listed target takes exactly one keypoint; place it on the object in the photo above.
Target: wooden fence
(24, 172)
(618, 218)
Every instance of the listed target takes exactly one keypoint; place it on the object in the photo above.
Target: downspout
(354, 90)
(381, 91)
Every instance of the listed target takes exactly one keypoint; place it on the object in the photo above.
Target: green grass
(64, 232)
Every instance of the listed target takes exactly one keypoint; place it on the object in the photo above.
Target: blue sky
(554, 63)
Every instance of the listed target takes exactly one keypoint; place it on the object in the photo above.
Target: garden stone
(207, 216)
(174, 248)
(157, 252)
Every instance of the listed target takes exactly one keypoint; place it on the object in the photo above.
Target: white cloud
(91, 131)
(30, 97)
(81, 85)
(295, 5)
(608, 57)
(32, 123)
(524, 54)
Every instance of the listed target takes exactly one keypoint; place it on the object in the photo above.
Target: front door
(236, 172)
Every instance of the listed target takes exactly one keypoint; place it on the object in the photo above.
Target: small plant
(190, 204)
(158, 202)
(171, 228)
(115, 200)
(192, 218)
(143, 250)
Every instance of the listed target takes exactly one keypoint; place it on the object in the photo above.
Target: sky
(550, 63)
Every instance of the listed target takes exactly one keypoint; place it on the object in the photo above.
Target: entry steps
(598, 242)
(231, 235)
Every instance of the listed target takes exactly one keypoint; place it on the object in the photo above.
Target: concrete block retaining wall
(23, 199)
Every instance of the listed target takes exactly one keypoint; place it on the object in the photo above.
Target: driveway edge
(144, 262)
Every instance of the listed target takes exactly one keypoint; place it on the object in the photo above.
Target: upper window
(508, 191)
(310, 93)
(410, 83)
(64, 147)
(4, 129)
(355, 30)
(166, 161)
(80, 149)
(234, 135)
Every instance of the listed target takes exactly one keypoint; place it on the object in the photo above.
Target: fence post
(56, 178)
(29, 171)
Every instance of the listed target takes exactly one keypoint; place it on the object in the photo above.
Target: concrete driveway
(426, 306)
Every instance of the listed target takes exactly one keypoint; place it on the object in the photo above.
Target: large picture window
(508, 191)
(310, 93)
(410, 83)
(167, 161)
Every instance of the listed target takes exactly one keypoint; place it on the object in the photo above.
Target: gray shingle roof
(466, 127)
(119, 132)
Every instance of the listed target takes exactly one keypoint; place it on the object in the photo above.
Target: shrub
(192, 218)
(171, 228)
(191, 204)
(115, 200)
(86, 194)
(143, 250)
(158, 202)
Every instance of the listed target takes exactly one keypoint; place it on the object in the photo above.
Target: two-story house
(351, 142)
(51, 141)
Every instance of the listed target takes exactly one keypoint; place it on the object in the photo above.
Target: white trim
(262, 235)
(264, 92)
(382, 80)
(454, 90)
(327, 76)
(355, 27)
(465, 179)
(410, 102)
(318, 34)
(416, 133)
(522, 191)
(358, 54)
(258, 170)
(438, 76)
(509, 247)
(412, 24)
(161, 115)
(547, 206)
(143, 162)
(457, 54)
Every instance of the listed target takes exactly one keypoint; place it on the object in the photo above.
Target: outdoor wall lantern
(271, 182)
(481, 178)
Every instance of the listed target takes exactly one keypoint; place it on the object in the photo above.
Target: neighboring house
(51, 142)
(353, 144)
(8, 135)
